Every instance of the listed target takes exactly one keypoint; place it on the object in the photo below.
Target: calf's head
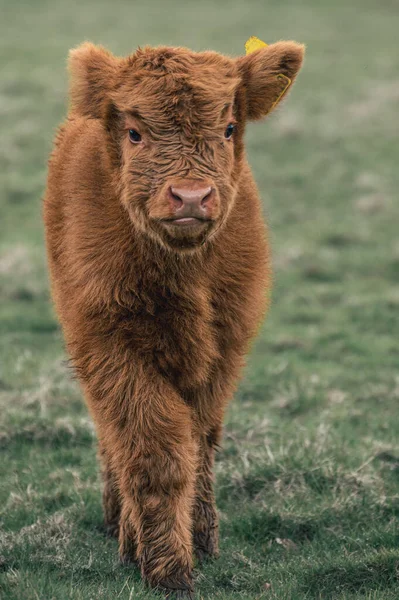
(174, 121)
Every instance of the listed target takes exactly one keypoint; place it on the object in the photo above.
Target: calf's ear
(93, 74)
(268, 74)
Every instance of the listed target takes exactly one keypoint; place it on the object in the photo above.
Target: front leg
(151, 444)
(206, 522)
(111, 495)
(157, 483)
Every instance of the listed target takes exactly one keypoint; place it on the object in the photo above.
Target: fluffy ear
(268, 74)
(93, 74)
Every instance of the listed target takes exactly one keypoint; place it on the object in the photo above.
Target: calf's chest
(178, 332)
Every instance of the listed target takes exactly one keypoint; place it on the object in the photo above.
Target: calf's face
(174, 121)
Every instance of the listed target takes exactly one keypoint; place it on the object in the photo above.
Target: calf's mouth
(186, 222)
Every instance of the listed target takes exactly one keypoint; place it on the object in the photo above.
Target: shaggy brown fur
(157, 316)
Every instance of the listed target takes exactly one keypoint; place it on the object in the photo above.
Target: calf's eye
(229, 131)
(134, 136)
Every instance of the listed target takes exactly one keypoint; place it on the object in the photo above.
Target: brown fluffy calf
(159, 270)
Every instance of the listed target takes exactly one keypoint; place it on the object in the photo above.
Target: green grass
(308, 476)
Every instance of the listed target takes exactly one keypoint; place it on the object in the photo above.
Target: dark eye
(229, 131)
(134, 136)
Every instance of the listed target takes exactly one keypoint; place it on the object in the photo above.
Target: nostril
(175, 197)
(207, 196)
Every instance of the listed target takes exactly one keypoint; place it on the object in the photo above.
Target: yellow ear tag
(287, 82)
(253, 44)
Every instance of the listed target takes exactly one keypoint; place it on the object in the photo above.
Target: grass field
(308, 476)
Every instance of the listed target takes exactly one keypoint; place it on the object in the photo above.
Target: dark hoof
(204, 554)
(177, 588)
(126, 560)
(206, 544)
(180, 595)
(111, 530)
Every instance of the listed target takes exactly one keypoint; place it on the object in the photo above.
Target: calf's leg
(111, 495)
(206, 523)
(152, 447)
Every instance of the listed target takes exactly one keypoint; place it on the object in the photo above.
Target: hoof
(111, 529)
(206, 544)
(204, 554)
(126, 560)
(177, 589)
(180, 595)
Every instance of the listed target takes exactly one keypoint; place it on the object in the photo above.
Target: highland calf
(160, 269)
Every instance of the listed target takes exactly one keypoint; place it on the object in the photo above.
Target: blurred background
(308, 476)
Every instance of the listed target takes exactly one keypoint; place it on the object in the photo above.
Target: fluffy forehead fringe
(190, 85)
(164, 59)
(178, 75)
